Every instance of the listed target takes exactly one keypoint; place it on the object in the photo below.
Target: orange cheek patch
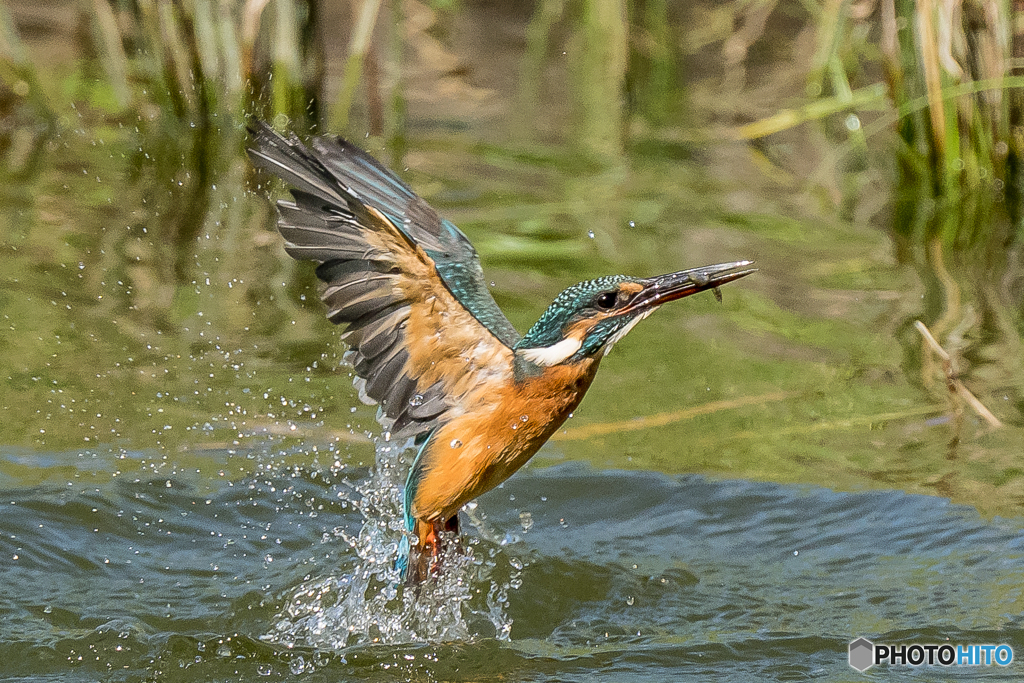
(580, 328)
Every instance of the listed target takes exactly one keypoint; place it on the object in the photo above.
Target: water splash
(368, 603)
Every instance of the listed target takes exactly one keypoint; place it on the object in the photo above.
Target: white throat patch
(554, 354)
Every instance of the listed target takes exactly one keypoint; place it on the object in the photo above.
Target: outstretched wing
(408, 284)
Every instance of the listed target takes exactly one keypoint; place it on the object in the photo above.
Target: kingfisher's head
(588, 318)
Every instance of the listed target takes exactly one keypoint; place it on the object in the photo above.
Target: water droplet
(297, 665)
(590, 234)
(630, 600)
(632, 224)
(416, 400)
(455, 443)
(526, 520)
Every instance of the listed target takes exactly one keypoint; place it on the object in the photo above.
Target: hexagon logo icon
(862, 654)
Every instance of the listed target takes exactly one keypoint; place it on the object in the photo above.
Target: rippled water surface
(619, 575)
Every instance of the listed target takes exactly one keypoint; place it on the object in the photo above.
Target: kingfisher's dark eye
(606, 301)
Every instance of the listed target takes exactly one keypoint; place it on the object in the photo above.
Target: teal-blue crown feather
(549, 329)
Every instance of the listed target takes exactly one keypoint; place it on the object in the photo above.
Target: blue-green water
(621, 576)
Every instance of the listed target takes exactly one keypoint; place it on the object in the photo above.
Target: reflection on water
(811, 371)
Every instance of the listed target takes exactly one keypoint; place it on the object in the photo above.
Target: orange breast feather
(502, 429)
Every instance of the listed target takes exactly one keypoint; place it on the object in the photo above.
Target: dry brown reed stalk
(662, 419)
(956, 387)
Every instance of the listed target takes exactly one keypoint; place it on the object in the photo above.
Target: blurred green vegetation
(946, 78)
(941, 81)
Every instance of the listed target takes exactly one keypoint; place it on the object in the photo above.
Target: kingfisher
(426, 339)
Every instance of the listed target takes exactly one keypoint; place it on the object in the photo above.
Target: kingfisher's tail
(402, 561)
(411, 556)
(413, 563)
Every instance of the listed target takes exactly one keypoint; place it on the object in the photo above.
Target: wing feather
(422, 329)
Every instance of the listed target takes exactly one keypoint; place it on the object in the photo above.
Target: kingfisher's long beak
(665, 288)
